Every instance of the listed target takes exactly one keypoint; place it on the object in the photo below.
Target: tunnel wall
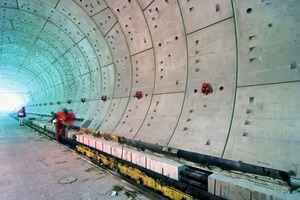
(247, 51)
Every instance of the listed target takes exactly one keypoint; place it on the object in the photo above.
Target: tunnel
(216, 82)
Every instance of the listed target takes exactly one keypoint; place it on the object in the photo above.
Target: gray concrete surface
(36, 168)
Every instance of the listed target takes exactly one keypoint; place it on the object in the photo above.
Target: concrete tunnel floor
(35, 167)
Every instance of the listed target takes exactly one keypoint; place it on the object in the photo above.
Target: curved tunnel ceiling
(169, 53)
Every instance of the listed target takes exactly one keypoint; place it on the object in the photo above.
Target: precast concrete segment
(204, 122)
(134, 115)
(267, 55)
(144, 3)
(161, 119)
(107, 85)
(170, 73)
(268, 46)
(143, 80)
(136, 33)
(120, 53)
(169, 46)
(200, 14)
(133, 24)
(114, 114)
(93, 71)
(105, 20)
(123, 77)
(88, 27)
(266, 118)
(92, 8)
(33, 167)
(80, 108)
(90, 109)
(86, 85)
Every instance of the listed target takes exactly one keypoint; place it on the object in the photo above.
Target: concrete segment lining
(204, 122)
(169, 56)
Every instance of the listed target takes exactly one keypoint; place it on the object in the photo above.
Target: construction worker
(70, 120)
(61, 119)
(21, 115)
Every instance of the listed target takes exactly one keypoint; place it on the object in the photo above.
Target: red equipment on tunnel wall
(206, 88)
(104, 98)
(138, 94)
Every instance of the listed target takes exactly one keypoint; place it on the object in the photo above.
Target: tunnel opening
(11, 101)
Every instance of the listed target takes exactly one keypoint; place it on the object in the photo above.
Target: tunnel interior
(214, 78)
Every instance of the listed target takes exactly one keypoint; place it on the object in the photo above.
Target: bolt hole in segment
(293, 65)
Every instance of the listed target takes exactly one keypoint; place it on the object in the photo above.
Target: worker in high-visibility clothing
(61, 119)
(21, 115)
(69, 121)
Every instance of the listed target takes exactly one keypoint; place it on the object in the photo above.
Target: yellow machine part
(107, 161)
(148, 181)
(132, 172)
(115, 138)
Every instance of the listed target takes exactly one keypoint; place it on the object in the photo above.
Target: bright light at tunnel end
(10, 102)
